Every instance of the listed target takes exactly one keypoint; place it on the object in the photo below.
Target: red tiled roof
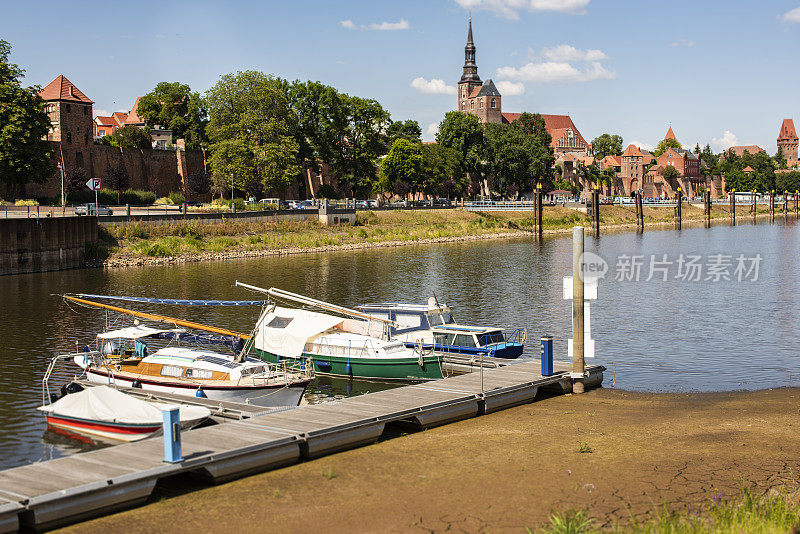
(105, 121)
(63, 89)
(787, 130)
(133, 116)
(740, 150)
(617, 159)
(632, 150)
(119, 117)
(670, 134)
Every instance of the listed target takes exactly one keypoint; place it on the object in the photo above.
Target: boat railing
(520, 335)
(51, 367)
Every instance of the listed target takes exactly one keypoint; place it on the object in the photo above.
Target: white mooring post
(578, 367)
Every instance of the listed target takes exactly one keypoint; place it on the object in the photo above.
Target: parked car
(362, 204)
(93, 209)
(442, 202)
(373, 203)
(304, 205)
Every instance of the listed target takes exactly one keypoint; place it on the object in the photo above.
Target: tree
(252, 132)
(440, 174)
(128, 136)
(404, 129)
(463, 133)
(708, 157)
(176, 107)
(537, 143)
(665, 145)
(75, 180)
(403, 164)
(607, 145)
(507, 159)
(788, 181)
(607, 177)
(779, 161)
(25, 155)
(116, 177)
(670, 173)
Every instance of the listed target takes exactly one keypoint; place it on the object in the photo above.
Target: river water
(678, 334)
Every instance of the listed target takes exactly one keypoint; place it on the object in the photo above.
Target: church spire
(470, 67)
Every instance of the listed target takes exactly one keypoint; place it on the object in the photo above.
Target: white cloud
(570, 53)
(100, 112)
(727, 140)
(688, 43)
(433, 87)
(556, 72)
(401, 24)
(792, 16)
(645, 146)
(432, 130)
(510, 88)
(511, 8)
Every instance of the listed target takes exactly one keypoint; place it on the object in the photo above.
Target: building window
(471, 104)
(69, 108)
(494, 103)
(86, 139)
(69, 137)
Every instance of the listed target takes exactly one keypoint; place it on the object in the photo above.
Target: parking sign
(93, 184)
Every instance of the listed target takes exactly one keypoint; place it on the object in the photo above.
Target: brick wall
(36, 245)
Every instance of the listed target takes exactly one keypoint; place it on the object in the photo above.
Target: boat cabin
(410, 317)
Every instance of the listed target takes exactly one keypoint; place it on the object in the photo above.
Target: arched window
(494, 103)
(471, 104)
(85, 139)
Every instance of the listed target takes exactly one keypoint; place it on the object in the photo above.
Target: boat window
(437, 319)
(490, 338)
(259, 370)
(406, 320)
(393, 348)
(171, 370)
(279, 322)
(199, 373)
(464, 340)
(440, 338)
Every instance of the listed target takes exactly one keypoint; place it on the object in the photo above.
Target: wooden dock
(62, 491)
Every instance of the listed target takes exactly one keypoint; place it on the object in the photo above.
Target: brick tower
(787, 140)
(469, 79)
(70, 111)
(475, 97)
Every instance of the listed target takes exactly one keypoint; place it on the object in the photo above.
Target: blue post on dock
(172, 435)
(547, 355)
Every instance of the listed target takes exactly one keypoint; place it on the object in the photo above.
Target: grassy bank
(185, 239)
(627, 462)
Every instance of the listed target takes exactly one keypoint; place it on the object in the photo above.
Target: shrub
(164, 201)
(26, 203)
(177, 198)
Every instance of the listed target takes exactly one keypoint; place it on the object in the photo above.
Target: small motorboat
(107, 414)
(434, 328)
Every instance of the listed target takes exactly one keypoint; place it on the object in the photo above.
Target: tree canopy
(401, 169)
(762, 179)
(252, 133)
(670, 173)
(607, 145)
(665, 145)
(176, 107)
(128, 136)
(408, 129)
(24, 154)
(463, 133)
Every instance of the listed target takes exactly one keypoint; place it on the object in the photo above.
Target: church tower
(469, 79)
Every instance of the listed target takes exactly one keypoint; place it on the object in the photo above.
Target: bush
(112, 197)
(26, 203)
(164, 201)
(177, 198)
(226, 203)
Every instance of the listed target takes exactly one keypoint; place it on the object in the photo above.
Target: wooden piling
(596, 212)
(539, 211)
(641, 210)
(678, 215)
(578, 366)
(772, 206)
(753, 208)
(733, 207)
(796, 194)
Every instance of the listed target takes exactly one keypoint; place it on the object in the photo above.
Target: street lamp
(231, 187)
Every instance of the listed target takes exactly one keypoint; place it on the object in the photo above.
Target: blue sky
(720, 71)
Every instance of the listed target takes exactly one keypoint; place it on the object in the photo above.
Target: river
(678, 334)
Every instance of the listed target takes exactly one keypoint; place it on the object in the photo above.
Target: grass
(776, 512)
(329, 473)
(584, 448)
(192, 237)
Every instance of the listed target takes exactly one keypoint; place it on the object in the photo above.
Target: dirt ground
(509, 470)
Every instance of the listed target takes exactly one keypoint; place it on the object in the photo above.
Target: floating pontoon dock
(57, 492)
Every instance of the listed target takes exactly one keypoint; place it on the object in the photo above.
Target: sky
(722, 72)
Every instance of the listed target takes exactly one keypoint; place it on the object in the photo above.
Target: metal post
(753, 202)
(128, 210)
(678, 207)
(772, 206)
(481, 373)
(172, 435)
(578, 368)
(733, 208)
(539, 211)
(596, 212)
(547, 355)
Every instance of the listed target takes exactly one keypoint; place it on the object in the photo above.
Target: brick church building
(483, 100)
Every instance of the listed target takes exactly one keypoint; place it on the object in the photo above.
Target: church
(483, 100)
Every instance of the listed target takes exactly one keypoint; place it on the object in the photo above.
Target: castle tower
(70, 112)
(787, 140)
(469, 78)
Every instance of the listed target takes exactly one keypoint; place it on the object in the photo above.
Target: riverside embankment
(191, 241)
(643, 454)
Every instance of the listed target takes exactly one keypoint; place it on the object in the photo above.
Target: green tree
(463, 133)
(708, 157)
(252, 132)
(507, 159)
(670, 173)
(24, 155)
(607, 145)
(116, 177)
(440, 175)
(408, 129)
(788, 181)
(607, 177)
(403, 164)
(176, 107)
(779, 161)
(537, 143)
(128, 136)
(666, 144)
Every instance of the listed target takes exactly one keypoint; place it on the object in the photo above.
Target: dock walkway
(62, 491)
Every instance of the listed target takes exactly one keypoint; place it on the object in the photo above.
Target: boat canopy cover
(180, 302)
(102, 403)
(285, 331)
(135, 332)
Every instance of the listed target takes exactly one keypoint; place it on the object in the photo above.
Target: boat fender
(136, 383)
(86, 348)
(200, 393)
(277, 358)
(72, 387)
(324, 366)
(349, 369)
(55, 396)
